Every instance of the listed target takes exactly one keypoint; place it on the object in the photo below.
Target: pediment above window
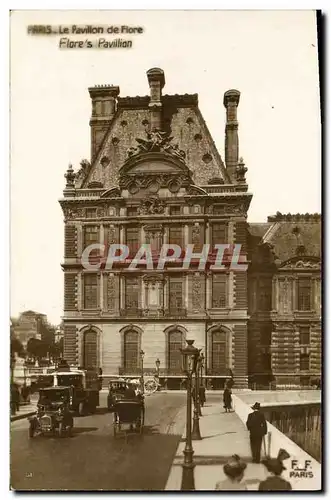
(154, 171)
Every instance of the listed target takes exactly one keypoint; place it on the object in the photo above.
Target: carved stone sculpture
(152, 206)
(157, 141)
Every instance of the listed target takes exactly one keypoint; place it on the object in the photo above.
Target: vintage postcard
(165, 323)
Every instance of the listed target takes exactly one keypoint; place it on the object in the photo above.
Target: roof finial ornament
(70, 177)
(241, 171)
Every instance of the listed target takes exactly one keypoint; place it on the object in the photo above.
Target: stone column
(122, 292)
(208, 290)
(80, 291)
(101, 284)
(186, 235)
(231, 290)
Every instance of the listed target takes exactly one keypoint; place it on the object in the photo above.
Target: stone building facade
(156, 177)
(284, 289)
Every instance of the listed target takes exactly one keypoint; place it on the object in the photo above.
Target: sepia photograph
(165, 251)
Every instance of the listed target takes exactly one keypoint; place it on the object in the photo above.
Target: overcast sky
(270, 56)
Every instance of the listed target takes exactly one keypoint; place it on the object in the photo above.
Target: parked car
(53, 412)
(116, 390)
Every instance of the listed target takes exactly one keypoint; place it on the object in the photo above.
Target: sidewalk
(224, 434)
(25, 411)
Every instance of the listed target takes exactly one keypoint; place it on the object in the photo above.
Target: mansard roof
(289, 236)
(182, 120)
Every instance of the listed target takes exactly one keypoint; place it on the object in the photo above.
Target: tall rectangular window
(304, 362)
(132, 239)
(131, 343)
(176, 235)
(90, 291)
(175, 293)
(304, 294)
(91, 235)
(219, 290)
(132, 292)
(304, 335)
(219, 352)
(219, 234)
(175, 344)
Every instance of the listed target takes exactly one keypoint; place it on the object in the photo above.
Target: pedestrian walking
(257, 426)
(202, 395)
(14, 398)
(25, 392)
(275, 466)
(227, 399)
(234, 470)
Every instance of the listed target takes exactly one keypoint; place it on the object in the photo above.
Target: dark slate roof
(288, 236)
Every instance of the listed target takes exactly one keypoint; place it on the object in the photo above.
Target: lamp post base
(188, 477)
(196, 436)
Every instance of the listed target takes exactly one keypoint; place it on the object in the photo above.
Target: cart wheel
(61, 430)
(150, 386)
(81, 409)
(31, 431)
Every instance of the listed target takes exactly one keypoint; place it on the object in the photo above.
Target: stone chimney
(103, 110)
(156, 82)
(231, 101)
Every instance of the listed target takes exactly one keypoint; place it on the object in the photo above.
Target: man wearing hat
(257, 426)
(275, 466)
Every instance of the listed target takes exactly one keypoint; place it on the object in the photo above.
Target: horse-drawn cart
(129, 413)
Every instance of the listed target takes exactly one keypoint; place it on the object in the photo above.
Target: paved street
(92, 459)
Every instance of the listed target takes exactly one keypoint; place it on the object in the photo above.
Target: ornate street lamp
(196, 436)
(142, 354)
(190, 358)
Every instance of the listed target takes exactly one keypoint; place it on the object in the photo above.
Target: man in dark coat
(257, 426)
(227, 399)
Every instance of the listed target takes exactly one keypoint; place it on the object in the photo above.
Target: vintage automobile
(53, 412)
(85, 385)
(116, 390)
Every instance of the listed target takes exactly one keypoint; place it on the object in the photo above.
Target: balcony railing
(174, 311)
(131, 312)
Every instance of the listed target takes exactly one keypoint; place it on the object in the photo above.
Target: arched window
(219, 354)
(131, 348)
(175, 344)
(90, 349)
